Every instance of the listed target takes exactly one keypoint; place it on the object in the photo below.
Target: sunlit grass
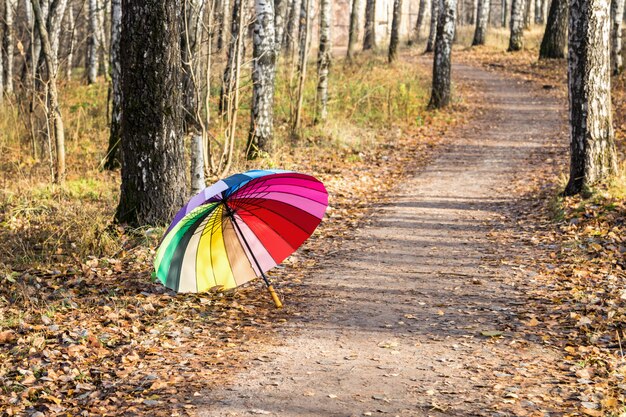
(45, 224)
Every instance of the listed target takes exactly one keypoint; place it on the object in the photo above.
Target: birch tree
(9, 43)
(92, 42)
(115, 129)
(323, 60)
(263, 75)
(289, 35)
(442, 65)
(617, 19)
(503, 15)
(369, 36)
(395, 31)
(353, 31)
(279, 23)
(434, 15)
(516, 41)
(554, 42)
(71, 33)
(55, 16)
(420, 20)
(54, 110)
(153, 169)
(592, 147)
(482, 20)
(303, 47)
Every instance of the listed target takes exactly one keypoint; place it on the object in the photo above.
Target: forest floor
(430, 310)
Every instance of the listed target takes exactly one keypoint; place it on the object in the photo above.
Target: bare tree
(481, 22)
(323, 60)
(369, 36)
(434, 15)
(592, 146)
(55, 16)
(281, 10)
(263, 75)
(395, 31)
(516, 41)
(303, 47)
(153, 176)
(442, 62)
(353, 32)
(420, 21)
(9, 43)
(112, 160)
(289, 35)
(617, 19)
(54, 113)
(554, 42)
(71, 33)
(92, 42)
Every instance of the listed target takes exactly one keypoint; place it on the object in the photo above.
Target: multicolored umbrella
(239, 228)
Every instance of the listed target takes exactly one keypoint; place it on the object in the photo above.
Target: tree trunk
(102, 39)
(92, 42)
(55, 16)
(1, 77)
(539, 12)
(289, 35)
(516, 42)
(228, 82)
(71, 30)
(323, 60)
(529, 14)
(263, 75)
(395, 31)
(56, 120)
(353, 33)
(305, 12)
(115, 131)
(503, 13)
(481, 22)
(9, 40)
(153, 169)
(434, 18)
(554, 42)
(281, 7)
(369, 36)
(592, 146)
(440, 96)
(198, 183)
(617, 18)
(420, 20)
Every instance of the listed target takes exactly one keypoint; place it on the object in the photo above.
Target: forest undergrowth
(578, 273)
(82, 328)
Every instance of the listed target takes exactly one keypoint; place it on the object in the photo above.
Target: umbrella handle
(277, 301)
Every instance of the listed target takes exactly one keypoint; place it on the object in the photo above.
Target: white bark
(54, 29)
(198, 182)
(71, 33)
(593, 156)
(323, 59)
(516, 42)
(92, 42)
(9, 43)
(617, 19)
(442, 64)
(482, 21)
(263, 76)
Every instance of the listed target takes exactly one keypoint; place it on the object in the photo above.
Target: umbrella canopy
(238, 228)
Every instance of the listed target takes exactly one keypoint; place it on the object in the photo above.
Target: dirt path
(395, 324)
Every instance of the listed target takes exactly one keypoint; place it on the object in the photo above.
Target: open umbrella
(239, 228)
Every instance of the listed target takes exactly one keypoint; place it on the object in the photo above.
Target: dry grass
(43, 225)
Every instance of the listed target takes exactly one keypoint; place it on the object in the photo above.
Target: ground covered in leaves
(85, 333)
(577, 297)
